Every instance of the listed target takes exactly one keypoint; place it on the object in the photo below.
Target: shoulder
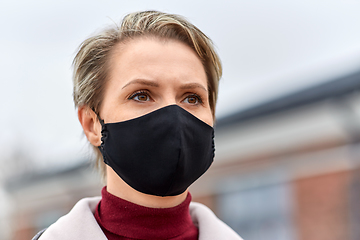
(210, 227)
(79, 223)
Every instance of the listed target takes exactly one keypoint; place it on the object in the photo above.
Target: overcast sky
(268, 48)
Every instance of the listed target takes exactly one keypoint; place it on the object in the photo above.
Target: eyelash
(141, 92)
(198, 98)
(145, 92)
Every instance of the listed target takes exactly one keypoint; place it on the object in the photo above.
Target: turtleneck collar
(118, 217)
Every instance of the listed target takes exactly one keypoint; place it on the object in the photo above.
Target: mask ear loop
(99, 118)
(103, 129)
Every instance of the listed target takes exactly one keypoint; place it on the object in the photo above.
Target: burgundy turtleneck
(120, 219)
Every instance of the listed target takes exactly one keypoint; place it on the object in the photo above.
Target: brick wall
(322, 207)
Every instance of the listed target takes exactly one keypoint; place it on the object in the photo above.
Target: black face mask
(161, 153)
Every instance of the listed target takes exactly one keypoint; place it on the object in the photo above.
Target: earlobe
(90, 124)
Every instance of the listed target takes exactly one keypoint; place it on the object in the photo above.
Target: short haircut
(92, 67)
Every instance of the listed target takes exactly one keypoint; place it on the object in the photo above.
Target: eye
(193, 99)
(140, 96)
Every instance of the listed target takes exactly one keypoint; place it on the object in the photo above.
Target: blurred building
(287, 170)
(39, 199)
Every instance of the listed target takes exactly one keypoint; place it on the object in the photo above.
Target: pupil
(192, 100)
(142, 97)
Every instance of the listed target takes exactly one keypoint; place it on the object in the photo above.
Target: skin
(147, 74)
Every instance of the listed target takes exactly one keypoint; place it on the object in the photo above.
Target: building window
(259, 213)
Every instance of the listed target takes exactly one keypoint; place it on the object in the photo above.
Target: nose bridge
(169, 102)
(169, 98)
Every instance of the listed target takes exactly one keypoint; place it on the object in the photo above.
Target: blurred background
(288, 115)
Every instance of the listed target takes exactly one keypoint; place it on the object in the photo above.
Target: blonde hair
(91, 63)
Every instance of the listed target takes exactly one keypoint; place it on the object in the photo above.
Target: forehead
(156, 58)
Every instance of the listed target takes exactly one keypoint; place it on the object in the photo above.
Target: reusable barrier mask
(161, 153)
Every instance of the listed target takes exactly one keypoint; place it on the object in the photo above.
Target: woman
(146, 94)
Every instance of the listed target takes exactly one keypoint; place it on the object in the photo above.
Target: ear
(90, 124)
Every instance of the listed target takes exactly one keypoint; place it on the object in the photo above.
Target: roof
(34, 177)
(336, 88)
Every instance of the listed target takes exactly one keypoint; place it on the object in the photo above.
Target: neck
(117, 187)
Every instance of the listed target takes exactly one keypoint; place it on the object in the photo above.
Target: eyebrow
(143, 82)
(192, 86)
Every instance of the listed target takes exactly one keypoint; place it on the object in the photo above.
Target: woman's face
(147, 74)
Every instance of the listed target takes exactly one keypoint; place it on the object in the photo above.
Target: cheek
(207, 118)
(210, 121)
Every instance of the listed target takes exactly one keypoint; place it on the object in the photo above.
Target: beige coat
(80, 224)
